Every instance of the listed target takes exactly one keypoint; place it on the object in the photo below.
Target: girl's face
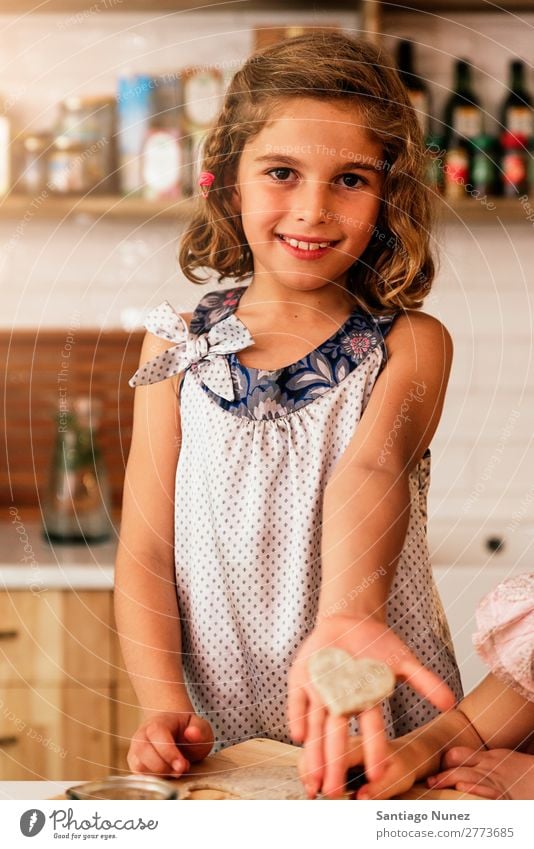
(315, 175)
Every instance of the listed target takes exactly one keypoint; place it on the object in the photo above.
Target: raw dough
(252, 782)
(348, 685)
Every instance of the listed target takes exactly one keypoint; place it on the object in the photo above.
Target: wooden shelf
(452, 6)
(97, 206)
(475, 211)
(116, 207)
(74, 7)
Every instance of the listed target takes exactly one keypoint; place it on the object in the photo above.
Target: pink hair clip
(205, 181)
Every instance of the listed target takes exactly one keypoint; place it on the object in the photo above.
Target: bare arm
(367, 500)
(146, 608)
(492, 716)
(502, 718)
(365, 518)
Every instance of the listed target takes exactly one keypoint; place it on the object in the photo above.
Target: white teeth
(306, 246)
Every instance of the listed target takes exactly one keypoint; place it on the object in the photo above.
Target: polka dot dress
(248, 505)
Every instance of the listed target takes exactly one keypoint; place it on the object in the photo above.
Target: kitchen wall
(483, 455)
(84, 273)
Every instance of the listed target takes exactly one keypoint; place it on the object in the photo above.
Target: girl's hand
(167, 743)
(324, 735)
(494, 774)
(399, 774)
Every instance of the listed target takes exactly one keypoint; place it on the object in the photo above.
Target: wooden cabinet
(67, 710)
(55, 637)
(54, 732)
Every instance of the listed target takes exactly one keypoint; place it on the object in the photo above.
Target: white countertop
(33, 789)
(29, 561)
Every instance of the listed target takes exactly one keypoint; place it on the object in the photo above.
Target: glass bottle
(484, 165)
(463, 115)
(516, 111)
(514, 164)
(435, 154)
(417, 89)
(77, 502)
(456, 168)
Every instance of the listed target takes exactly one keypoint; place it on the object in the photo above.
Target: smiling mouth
(305, 246)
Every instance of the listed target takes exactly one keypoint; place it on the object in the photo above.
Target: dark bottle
(514, 164)
(516, 112)
(435, 154)
(463, 115)
(456, 168)
(417, 89)
(484, 165)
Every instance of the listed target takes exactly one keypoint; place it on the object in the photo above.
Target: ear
(235, 200)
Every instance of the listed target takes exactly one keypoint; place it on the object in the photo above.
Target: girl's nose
(310, 202)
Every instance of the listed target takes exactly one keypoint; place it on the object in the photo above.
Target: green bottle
(463, 118)
(484, 165)
(417, 89)
(516, 111)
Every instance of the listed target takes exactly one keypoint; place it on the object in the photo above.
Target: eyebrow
(289, 160)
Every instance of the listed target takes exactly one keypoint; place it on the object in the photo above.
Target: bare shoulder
(416, 333)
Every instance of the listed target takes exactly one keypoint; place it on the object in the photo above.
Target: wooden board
(270, 753)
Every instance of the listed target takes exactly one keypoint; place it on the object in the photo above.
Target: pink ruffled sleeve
(505, 636)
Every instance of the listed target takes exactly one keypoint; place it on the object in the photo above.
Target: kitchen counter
(230, 761)
(29, 562)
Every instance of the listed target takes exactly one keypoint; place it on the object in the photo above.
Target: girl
(279, 505)
(481, 739)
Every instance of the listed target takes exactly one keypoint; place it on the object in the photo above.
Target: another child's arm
(504, 721)
(146, 608)
(365, 518)
(407, 759)
(493, 715)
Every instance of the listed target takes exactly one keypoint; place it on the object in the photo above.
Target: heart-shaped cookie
(348, 685)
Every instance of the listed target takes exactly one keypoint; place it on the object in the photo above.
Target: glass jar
(77, 501)
(89, 122)
(87, 119)
(35, 162)
(66, 167)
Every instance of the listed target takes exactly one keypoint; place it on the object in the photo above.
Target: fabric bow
(206, 350)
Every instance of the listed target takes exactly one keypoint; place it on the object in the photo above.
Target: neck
(284, 304)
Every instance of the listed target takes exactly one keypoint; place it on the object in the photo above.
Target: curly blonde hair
(396, 269)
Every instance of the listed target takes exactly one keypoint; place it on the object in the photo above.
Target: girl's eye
(357, 180)
(278, 171)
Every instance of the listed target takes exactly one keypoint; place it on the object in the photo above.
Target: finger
(429, 685)
(460, 756)
(483, 790)
(374, 741)
(198, 739)
(308, 781)
(148, 761)
(314, 746)
(335, 752)
(354, 751)
(297, 708)
(161, 740)
(450, 777)
(134, 764)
